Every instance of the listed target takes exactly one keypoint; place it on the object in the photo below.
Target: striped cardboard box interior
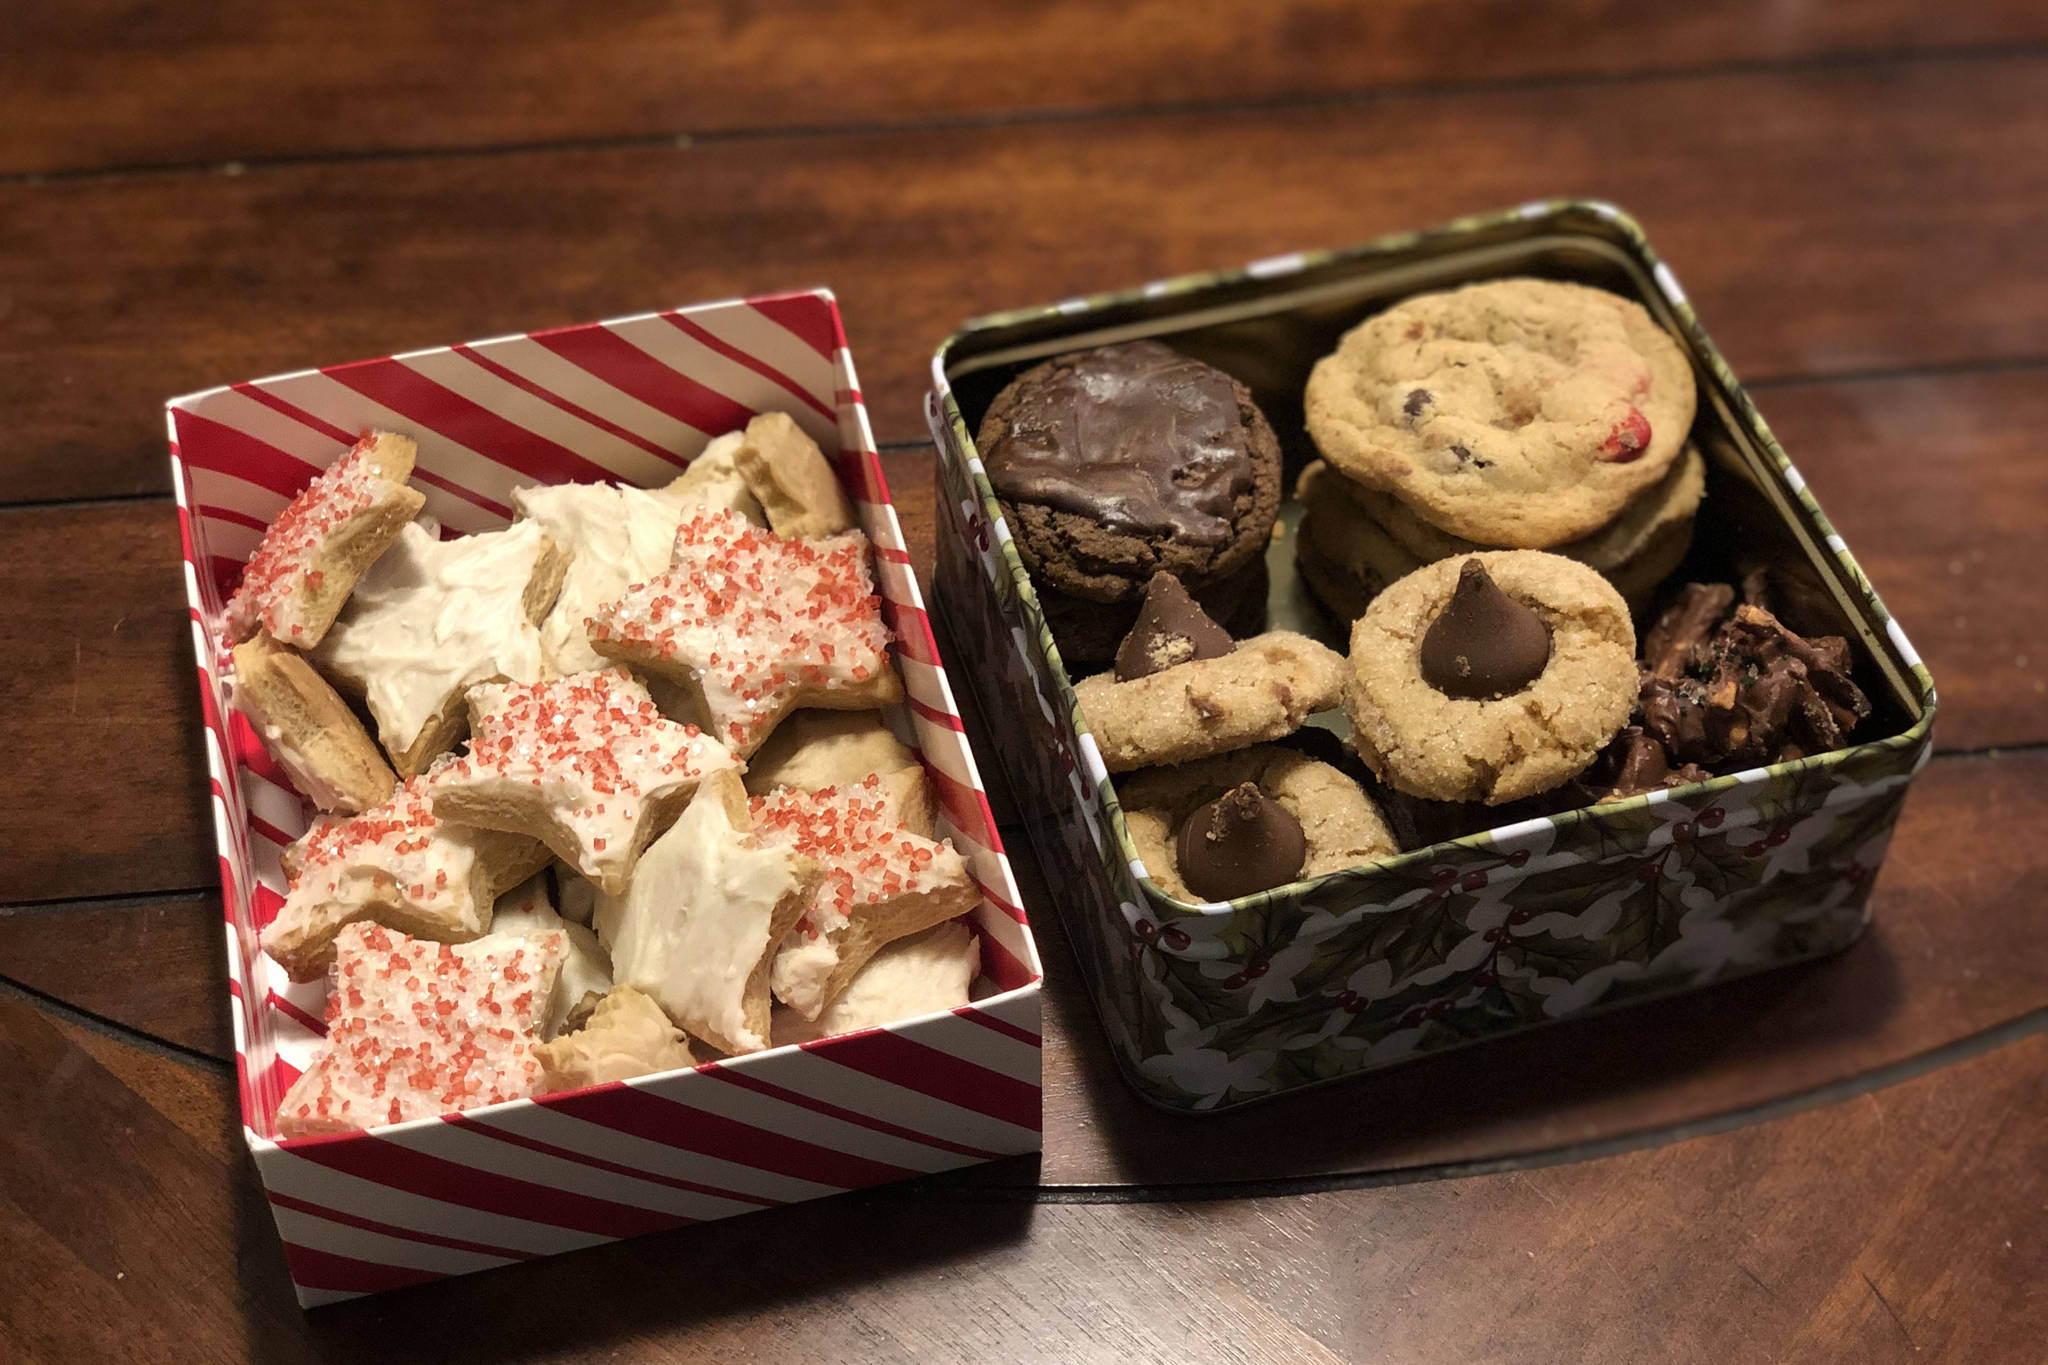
(630, 400)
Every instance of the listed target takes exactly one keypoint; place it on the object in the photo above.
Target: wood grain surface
(1879, 1228)
(121, 291)
(100, 83)
(1841, 1161)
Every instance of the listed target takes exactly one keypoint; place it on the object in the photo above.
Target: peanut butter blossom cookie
(1183, 689)
(1490, 678)
(1521, 412)
(1119, 462)
(1249, 821)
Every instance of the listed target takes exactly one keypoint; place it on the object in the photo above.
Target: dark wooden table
(1843, 1162)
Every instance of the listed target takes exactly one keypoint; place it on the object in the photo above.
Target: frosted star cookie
(309, 729)
(587, 968)
(617, 536)
(795, 484)
(417, 1029)
(1182, 689)
(1490, 678)
(584, 764)
(920, 974)
(881, 882)
(312, 555)
(434, 617)
(817, 749)
(1517, 412)
(699, 926)
(396, 864)
(625, 1035)
(756, 626)
(1203, 838)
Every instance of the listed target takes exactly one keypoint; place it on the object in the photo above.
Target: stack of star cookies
(1513, 414)
(539, 874)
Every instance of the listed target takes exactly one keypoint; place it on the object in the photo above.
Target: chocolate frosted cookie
(1517, 412)
(1490, 678)
(1117, 463)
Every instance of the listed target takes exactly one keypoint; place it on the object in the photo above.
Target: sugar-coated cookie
(1491, 677)
(584, 764)
(396, 864)
(817, 749)
(416, 1029)
(528, 909)
(1517, 412)
(756, 626)
(881, 882)
(323, 541)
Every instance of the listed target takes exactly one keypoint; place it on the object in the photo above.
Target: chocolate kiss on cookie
(1243, 841)
(1171, 629)
(1484, 644)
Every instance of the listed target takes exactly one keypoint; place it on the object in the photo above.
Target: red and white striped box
(629, 400)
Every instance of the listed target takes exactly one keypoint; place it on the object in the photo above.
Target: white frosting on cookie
(431, 617)
(694, 926)
(526, 910)
(917, 975)
(627, 1036)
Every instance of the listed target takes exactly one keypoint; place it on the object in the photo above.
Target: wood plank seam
(1822, 63)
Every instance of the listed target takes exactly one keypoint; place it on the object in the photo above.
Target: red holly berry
(1712, 817)
(1175, 938)
(1649, 872)
(1519, 858)
(1351, 1002)
(1486, 978)
(1443, 878)
(1522, 916)
(1491, 936)
(1755, 850)
(1235, 981)
(1681, 833)
(1439, 1008)
(1256, 970)
(1472, 881)
(1414, 1017)
(1776, 837)
(1145, 929)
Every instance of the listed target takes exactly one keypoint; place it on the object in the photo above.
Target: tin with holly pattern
(1212, 1006)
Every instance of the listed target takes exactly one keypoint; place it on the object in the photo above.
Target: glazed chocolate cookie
(1490, 678)
(1114, 464)
(1516, 412)
(1203, 837)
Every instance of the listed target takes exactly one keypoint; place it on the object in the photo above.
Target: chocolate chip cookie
(1518, 412)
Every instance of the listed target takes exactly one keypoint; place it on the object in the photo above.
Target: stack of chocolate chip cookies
(1513, 414)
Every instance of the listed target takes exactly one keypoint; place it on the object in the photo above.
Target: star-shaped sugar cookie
(881, 882)
(699, 926)
(416, 1029)
(617, 536)
(397, 865)
(585, 764)
(320, 544)
(754, 626)
(434, 617)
